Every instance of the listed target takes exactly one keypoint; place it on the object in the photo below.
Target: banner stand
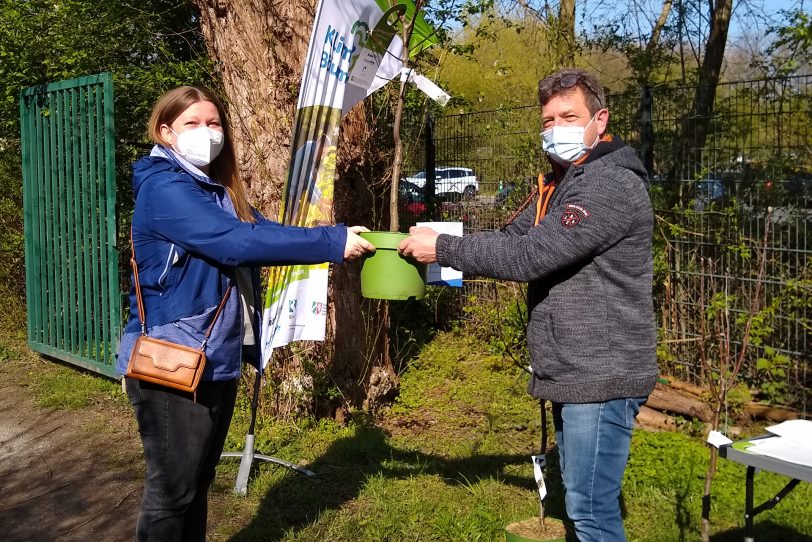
(355, 48)
(247, 456)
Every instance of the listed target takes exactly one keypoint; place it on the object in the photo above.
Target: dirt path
(67, 475)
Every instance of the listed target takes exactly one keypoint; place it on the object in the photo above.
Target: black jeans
(183, 440)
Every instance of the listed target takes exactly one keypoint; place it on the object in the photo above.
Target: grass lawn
(449, 461)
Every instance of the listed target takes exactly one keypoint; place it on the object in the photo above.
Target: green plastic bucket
(385, 274)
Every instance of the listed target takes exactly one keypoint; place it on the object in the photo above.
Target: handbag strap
(143, 316)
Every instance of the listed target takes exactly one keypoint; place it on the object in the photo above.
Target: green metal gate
(71, 264)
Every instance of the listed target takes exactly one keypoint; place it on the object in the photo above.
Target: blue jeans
(183, 440)
(593, 442)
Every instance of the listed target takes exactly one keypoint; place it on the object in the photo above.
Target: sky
(741, 21)
(591, 12)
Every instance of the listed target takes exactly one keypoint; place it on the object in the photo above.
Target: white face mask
(565, 144)
(200, 146)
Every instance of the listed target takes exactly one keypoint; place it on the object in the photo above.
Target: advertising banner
(355, 49)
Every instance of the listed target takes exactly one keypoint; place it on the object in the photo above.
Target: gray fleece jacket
(591, 333)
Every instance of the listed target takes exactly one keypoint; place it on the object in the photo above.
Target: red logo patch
(570, 219)
(572, 215)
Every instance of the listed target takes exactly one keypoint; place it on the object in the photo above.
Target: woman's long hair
(224, 168)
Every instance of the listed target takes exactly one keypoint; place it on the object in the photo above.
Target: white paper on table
(784, 449)
(715, 438)
(799, 431)
(445, 276)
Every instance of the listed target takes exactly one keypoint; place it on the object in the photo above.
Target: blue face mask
(565, 144)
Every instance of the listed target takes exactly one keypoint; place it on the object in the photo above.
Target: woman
(195, 234)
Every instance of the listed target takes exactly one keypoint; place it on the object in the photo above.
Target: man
(585, 249)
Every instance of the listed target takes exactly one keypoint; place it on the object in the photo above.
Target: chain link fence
(726, 188)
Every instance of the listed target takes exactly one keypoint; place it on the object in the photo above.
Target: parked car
(412, 198)
(707, 191)
(449, 180)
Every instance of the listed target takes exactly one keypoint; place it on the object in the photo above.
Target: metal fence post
(431, 200)
(647, 130)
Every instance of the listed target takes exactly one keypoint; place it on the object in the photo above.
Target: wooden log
(666, 399)
(680, 385)
(758, 411)
(731, 431)
(648, 418)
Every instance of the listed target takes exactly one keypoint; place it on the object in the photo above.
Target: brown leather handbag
(162, 362)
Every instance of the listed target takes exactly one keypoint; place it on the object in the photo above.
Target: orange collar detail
(545, 195)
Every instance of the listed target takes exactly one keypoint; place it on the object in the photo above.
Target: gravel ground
(64, 475)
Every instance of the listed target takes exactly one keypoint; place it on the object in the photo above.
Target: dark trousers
(183, 440)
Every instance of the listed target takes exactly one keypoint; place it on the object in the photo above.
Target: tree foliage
(791, 52)
(498, 62)
(149, 46)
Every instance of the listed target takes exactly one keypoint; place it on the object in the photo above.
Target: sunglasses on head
(564, 82)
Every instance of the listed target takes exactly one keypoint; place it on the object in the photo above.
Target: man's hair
(565, 82)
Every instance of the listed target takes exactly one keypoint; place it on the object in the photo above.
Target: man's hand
(421, 245)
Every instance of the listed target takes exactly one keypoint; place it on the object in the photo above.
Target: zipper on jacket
(573, 171)
(171, 258)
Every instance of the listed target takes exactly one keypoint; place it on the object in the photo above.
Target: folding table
(737, 452)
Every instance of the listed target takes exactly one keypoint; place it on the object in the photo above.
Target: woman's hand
(356, 245)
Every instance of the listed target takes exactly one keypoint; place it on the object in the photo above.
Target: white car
(449, 180)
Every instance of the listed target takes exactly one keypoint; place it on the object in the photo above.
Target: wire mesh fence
(727, 188)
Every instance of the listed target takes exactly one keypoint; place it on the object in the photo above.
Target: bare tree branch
(533, 12)
(658, 26)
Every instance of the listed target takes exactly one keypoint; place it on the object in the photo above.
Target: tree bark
(259, 47)
(648, 418)
(670, 400)
(693, 389)
(566, 21)
(362, 365)
(695, 129)
(658, 26)
(770, 413)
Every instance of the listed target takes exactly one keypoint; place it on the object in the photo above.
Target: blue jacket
(188, 242)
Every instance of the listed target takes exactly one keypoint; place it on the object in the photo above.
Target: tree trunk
(693, 389)
(362, 365)
(650, 55)
(705, 524)
(658, 26)
(566, 21)
(770, 413)
(695, 129)
(394, 217)
(260, 47)
(670, 400)
(651, 419)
